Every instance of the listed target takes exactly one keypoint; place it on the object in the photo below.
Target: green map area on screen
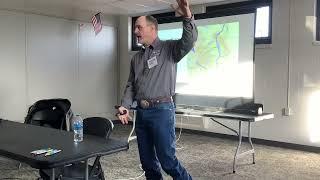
(217, 46)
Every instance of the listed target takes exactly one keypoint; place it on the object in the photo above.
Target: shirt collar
(154, 44)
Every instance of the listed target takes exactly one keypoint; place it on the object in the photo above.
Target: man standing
(152, 84)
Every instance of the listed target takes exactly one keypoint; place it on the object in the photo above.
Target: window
(263, 10)
(318, 21)
(262, 22)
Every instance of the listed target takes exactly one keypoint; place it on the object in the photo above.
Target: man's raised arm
(182, 46)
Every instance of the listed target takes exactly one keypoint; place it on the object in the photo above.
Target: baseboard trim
(255, 140)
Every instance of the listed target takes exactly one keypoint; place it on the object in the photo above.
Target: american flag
(96, 22)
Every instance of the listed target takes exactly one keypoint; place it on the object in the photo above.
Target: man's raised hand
(182, 8)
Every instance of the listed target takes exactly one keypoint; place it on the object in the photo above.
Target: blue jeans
(155, 130)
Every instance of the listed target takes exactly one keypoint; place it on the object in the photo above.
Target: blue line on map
(197, 62)
(218, 43)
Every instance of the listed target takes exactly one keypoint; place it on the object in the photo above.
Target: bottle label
(77, 125)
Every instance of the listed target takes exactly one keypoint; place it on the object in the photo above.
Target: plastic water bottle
(77, 128)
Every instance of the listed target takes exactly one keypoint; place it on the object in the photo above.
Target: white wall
(51, 46)
(305, 74)
(98, 72)
(47, 57)
(292, 51)
(12, 65)
(124, 51)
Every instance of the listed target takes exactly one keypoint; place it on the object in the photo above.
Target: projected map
(217, 44)
(214, 54)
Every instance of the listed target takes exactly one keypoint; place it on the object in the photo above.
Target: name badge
(152, 62)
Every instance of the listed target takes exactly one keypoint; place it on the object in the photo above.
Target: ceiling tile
(115, 7)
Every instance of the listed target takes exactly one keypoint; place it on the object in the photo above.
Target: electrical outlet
(287, 111)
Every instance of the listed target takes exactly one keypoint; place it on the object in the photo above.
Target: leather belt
(148, 103)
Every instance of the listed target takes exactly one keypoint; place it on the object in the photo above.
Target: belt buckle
(144, 104)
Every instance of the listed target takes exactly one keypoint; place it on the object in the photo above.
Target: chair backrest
(50, 113)
(98, 126)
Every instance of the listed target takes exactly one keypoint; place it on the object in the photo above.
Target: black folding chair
(54, 113)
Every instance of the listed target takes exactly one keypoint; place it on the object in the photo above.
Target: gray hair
(152, 20)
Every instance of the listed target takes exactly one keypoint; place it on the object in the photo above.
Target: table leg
(225, 126)
(249, 138)
(239, 134)
(238, 147)
(87, 171)
(53, 176)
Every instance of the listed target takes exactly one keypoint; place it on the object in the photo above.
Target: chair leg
(95, 163)
(101, 172)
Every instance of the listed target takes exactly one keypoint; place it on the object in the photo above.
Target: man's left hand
(183, 8)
